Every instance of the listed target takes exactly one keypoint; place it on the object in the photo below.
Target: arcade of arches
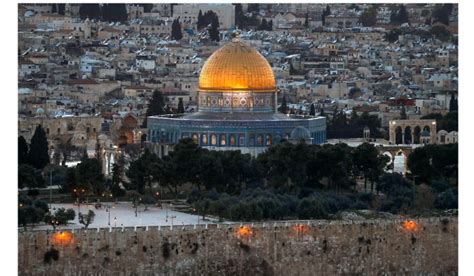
(412, 132)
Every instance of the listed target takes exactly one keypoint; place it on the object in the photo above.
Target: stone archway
(398, 136)
(416, 135)
(410, 130)
(408, 135)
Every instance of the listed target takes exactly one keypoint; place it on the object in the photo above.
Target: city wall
(370, 247)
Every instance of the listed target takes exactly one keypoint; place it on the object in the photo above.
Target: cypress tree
(453, 104)
(283, 108)
(38, 155)
(200, 21)
(180, 106)
(403, 113)
(214, 31)
(312, 110)
(156, 106)
(22, 150)
(176, 33)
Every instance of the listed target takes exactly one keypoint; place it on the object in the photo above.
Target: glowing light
(244, 231)
(301, 229)
(62, 238)
(410, 225)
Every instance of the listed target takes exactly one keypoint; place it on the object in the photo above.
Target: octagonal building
(237, 108)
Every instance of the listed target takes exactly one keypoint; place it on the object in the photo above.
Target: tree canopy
(38, 155)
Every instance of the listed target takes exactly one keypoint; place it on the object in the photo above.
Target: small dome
(237, 67)
(40, 111)
(300, 133)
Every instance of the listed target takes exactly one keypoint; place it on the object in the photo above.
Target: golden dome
(236, 67)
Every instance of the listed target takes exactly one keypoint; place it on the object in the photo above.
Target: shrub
(447, 200)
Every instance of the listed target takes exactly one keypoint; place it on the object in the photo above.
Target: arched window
(268, 140)
(223, 140)
(259, 140)
(204, 139)
(213, 139)
(232, 140)
(195, 138)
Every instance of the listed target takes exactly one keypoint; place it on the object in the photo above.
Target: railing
(254, 225)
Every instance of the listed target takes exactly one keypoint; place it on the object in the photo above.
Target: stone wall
(297, 248)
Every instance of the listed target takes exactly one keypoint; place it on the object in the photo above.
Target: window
(47, 131)
(59, 130)
(251, 140)
(259, 140)
(195, 138)
(268, 140)
(213, 139)
(223, 140)
(204, 139)
(88, 129)
(232, 140)
(241, 139)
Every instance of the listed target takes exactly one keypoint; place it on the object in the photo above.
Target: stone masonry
(369, 247)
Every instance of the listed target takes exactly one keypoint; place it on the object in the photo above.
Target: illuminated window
(208, 101)
(213, 139)
(232, 140)
(204, 139)
(268, 140)
(259, 140)
(195, 138)
(223, 140)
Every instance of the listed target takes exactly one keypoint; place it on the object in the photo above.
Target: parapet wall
(428, 245)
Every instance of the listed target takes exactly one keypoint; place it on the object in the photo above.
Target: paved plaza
(122, 214)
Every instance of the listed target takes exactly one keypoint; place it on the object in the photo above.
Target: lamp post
(50, 187)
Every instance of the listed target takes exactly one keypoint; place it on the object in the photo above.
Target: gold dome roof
(236, 67)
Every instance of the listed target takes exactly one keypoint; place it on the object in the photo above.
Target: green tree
(117, 172)
(392, 36)
(369, 162)
(403, 113)
(200, 21)
(312, 110)
(176, 33)
(22, 150)
(29, 177)
(283, 108)
(91, 11)
(89, 175)
(144, 171)
(38, 155)
(180, 106)
(441, 13)
(399, 15)
(263, 25)
(369, 17)
(114, 12)
(86, 219)
(325, 13)
(60, 217)
(214, 30)
(453, 103)
(156, 106)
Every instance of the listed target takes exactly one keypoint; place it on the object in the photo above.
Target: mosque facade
(237, 108)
